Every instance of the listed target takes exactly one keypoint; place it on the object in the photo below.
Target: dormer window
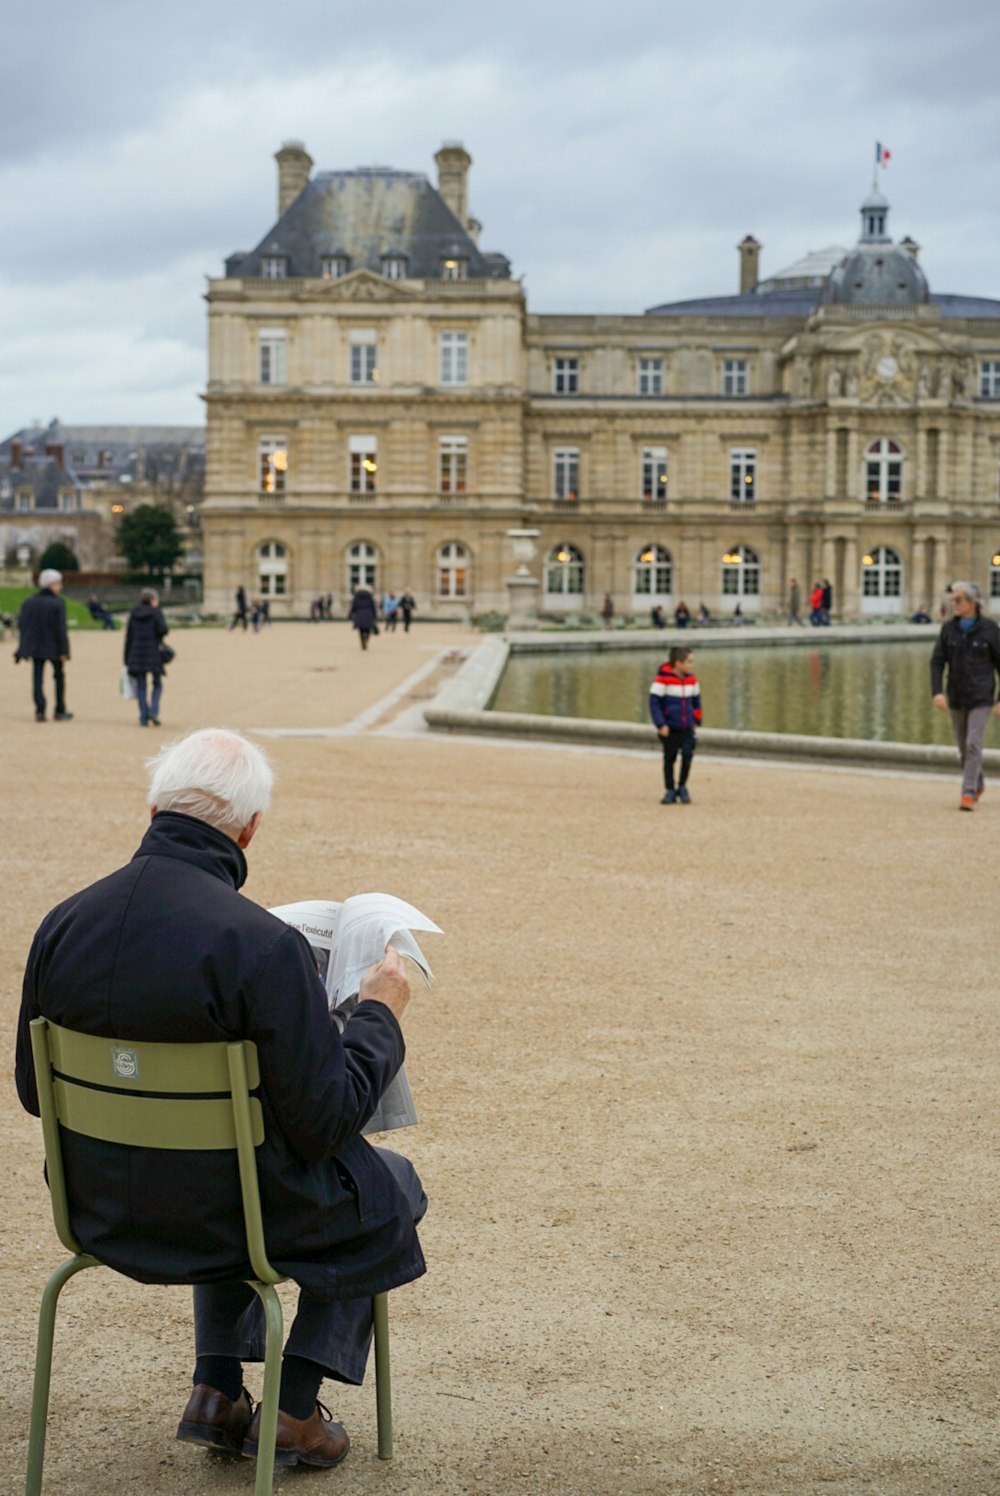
(274, 267)
(394, 267)
(454, 268)
(334, 266)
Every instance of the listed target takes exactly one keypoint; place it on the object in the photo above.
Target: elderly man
(43, 636)
(968, 647)
(166, 949)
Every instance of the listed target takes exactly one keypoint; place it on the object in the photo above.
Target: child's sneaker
(683, 796)
(669, 797)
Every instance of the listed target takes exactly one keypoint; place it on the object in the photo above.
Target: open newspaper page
(346, 940)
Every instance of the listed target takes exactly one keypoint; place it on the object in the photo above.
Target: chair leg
(383, 1375)
(43, 1368)
(273, 1346)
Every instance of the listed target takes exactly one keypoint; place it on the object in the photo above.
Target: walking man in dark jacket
(165, 949)
(968, 647)
(42, 622)
(147, 628)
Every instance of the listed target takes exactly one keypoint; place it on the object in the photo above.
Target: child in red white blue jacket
(675, 707)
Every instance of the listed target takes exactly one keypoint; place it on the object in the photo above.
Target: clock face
(887, 367)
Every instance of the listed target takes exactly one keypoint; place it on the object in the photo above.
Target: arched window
(995, 575)
(652, 574)
(883, 472)
(272, 569)
(452, 570)
(881, 580)
(564, 571)
(741, 572)
(362, 566)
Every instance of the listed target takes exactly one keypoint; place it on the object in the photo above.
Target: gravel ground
(707, 1094)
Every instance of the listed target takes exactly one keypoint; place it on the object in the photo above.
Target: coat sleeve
(24, 1064)
(128, 640)
(160, 626)
(696, 705)
(322, 1087)
(937, 665)
(63, 630)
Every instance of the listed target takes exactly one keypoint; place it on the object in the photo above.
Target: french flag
(882, 154)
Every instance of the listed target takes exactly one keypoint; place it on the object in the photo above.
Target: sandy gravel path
(708, 1097)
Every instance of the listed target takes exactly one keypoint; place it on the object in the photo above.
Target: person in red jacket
(675, 707)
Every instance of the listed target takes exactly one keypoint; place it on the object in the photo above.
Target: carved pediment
(364, 285)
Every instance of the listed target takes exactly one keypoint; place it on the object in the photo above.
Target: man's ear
(152, 811)
(246, 835)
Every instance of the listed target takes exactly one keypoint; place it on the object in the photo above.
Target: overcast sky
(619, 154)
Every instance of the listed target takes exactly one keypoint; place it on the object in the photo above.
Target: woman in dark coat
(146, 628)
(362, 614)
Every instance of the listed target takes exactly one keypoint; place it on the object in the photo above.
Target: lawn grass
(77, 616)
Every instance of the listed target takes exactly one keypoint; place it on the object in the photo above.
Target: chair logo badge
(125, 1063)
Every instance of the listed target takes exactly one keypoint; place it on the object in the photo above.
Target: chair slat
(151, 1122)
(141, 1065)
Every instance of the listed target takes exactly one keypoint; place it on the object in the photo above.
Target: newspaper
(346, 940)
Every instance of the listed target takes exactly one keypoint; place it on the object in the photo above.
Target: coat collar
(172, 834)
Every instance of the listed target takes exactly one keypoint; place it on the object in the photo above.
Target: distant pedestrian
(675, 707)
(682, 615)
(657, 617)
(816, 605)
(704, 616)
(362, 614)
(921, 615)
(44, 636)
(968, 648)
(240, 616)
(255, 615)
(608, 610)
(390, 612)
(147, 628)
(265, 612)
(826, 603)
(738, 618)
(794, 604)
(99, 612)
(407, 608)
(328, 606)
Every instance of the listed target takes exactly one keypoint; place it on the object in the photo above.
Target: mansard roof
(366, 214)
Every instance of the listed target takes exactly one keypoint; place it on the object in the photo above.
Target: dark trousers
(229, 1319)
(37, 669)
(681, 740)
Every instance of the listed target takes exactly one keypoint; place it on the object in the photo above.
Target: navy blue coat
(42, 624)
(166, 949)
(146, 627)
(362, 612)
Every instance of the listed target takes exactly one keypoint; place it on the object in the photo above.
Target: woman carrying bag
(146, 655)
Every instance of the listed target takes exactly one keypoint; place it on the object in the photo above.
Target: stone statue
(834, 381)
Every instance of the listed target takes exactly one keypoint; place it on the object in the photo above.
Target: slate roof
(367, 213)
(799, 303)
(46, 478)
(112, 452)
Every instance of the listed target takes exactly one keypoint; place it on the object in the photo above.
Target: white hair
(971, 590)
(215, 775)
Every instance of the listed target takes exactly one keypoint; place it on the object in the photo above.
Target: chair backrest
(190, 1097)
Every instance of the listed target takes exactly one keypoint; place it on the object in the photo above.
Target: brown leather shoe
(214, 1420)
(316, 1440)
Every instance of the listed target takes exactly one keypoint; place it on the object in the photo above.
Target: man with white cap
(42, 624)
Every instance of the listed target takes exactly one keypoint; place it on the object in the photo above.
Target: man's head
(51, 579)
(681, 656)
(966, 599)
(149, 595)
(218, 777)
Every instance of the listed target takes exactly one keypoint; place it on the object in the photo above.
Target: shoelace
(324, 1411)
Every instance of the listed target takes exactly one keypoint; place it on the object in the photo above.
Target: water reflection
(875, 691)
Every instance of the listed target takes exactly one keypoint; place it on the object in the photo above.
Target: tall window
(272, 464)
(364, 363)
(564, 571)
(271, 348)
(454, 358)
(995, 575)
(989, 379)
(566, 474)
(566, 376)
(452, 570)
(363, 461)
(735, 376)
(272, 569)
(455, 268)
(453, 464)
(882, 573)
(273, 267)
(651, 376)
(654, 475)
(742, 475)
(652, 573)
(362, 566)
(394, 267)
(741, 572)
(883, 472)
(334, 266)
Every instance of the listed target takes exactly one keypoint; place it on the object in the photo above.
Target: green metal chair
(177, 1096)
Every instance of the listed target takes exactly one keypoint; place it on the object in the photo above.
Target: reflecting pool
(876, 691)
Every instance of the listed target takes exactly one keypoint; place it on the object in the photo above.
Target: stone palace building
(383, 409)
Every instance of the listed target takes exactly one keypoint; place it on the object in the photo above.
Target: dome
(877, 272)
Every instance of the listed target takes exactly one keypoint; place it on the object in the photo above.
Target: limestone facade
(366, 423)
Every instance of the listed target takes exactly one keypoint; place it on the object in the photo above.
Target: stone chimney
(294, 166)
(911, 246)
(453, 162)
(15, 454)
(55, 449)
(749, 251)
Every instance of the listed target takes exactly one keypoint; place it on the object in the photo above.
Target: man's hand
(940, 701)
(664, 731)
(387, 983)
(996, 710)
